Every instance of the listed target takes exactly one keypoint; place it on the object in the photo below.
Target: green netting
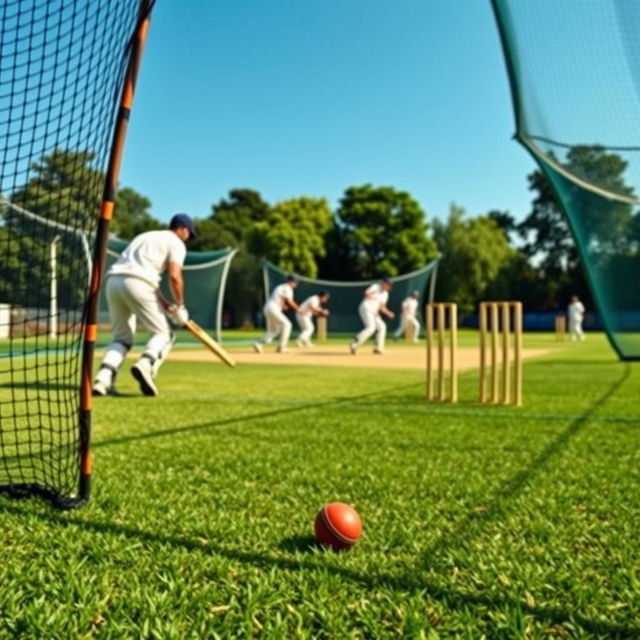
(205, 274)
(347, 296)
(574, 68)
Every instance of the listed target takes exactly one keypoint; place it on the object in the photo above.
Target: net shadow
(471, 525)
(246, 418)
(410, 582)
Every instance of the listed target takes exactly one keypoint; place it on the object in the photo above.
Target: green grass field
(479, 522)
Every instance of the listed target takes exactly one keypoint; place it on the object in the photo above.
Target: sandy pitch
(393, 358)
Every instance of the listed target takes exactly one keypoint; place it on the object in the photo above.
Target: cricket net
(63, 66)
(345, 297)
(574, 69)
(205, 277)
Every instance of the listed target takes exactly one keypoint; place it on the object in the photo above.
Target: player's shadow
(324, 354)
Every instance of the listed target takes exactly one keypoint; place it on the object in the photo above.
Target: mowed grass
(489, 522)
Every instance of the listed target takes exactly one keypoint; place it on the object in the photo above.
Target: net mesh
(574, 68)
(62, 65)
(205, 274)
(347, 296)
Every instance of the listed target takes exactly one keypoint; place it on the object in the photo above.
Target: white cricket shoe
(282, 350)
(378, 352)
(300, 344)
(100, 388)
(353, 347)
(257, 347)
(103, 382)
(143, 373)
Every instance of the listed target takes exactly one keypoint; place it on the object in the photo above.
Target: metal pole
(53, 299)
(429, 335)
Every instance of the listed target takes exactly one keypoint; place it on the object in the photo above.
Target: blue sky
(301, 97)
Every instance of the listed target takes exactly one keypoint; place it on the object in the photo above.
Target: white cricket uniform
(575, 311)
(132, 294)
(277, 323)
(409, 317)
(305, 319)
(375, 297)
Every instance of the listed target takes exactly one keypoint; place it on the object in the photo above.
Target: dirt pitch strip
(339, 356)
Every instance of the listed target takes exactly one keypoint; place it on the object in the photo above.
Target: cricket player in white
(575, 311)
(374, 303)
(133, 294)
(312, 306)
(278, 324)
(409, 316)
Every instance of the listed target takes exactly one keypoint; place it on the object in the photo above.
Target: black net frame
(67, 67)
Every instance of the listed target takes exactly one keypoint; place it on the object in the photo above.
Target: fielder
(278, 324)
(575, 312)
(312, 306)
(374, 304)
(133, 294)
(409, 316)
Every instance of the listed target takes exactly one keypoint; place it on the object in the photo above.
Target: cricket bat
(209, 342)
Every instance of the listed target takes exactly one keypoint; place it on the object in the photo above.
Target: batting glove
(178, 314)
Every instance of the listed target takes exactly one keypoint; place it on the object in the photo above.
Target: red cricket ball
(338, 526)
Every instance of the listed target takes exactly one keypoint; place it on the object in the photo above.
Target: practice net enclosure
(63, 66)
(345, 297)
(205, 277)
(574, 69)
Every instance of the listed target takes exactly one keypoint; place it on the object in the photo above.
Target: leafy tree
(605, 226)
(64, 188)
(234, 220)
(24, 276)
(292, 235)
(211, 236)
(336, 264)
(505, 221)
(132, 215)
(381, 231)
(231, 224)
(60, 203)
(605, 222)
(475, 253)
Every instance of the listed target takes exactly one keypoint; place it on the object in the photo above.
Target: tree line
(373, 231)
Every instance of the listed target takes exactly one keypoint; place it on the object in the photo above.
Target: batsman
(133, 295)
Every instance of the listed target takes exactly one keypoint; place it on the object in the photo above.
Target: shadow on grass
(552, 360)
(299, 544)
(193, 428)
(454, 599)
(43, 385)
(407, 581)
(498, 505)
